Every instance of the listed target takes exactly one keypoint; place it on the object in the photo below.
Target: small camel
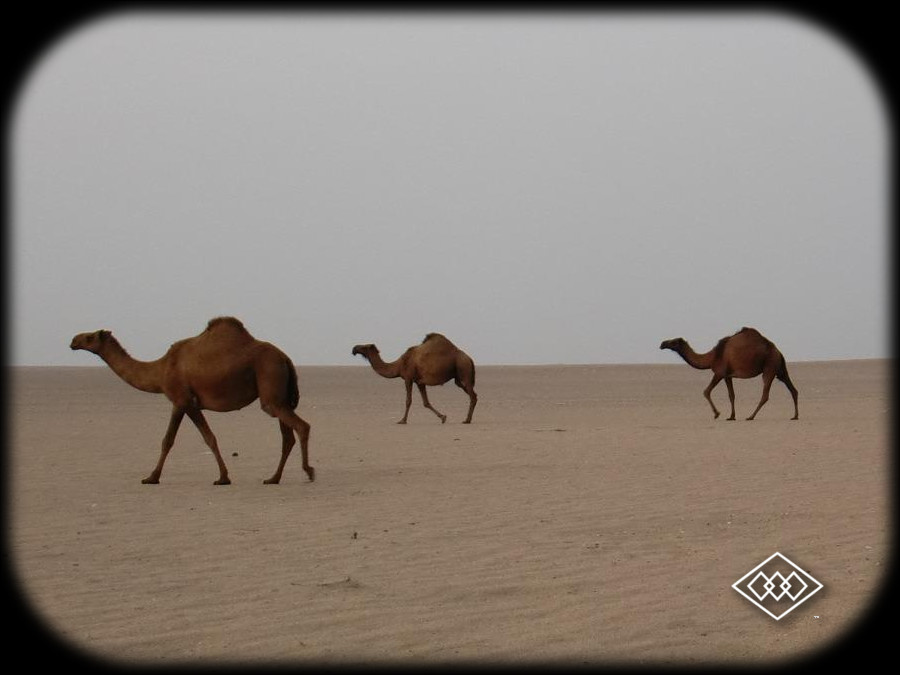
(223, 368)
(745, 354)
(434, 362)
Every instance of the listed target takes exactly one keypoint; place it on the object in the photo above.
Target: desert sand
(591, 514)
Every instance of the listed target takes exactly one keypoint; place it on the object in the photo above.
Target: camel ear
(103, 334)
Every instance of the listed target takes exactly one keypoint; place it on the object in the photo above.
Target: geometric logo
(777, 586)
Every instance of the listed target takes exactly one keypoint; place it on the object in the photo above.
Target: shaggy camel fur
(434, 362)
(745, 354)
(223, 368)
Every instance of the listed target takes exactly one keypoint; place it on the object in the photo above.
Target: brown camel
(434, 362)
(745, 354)
(223, 368)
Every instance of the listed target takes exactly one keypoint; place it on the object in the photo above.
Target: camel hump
(225, 322)
(435, 343)
(227, 327)
(754, 334)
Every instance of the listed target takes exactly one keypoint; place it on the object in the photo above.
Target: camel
(433, 362)
(223, 368)
(745, 354)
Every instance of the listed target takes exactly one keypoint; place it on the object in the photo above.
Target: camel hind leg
(473, 399)
(290, 423)
(427, 403)
(782, 375)
(278, 397)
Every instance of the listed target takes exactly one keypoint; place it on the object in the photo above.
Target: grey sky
(540, 188)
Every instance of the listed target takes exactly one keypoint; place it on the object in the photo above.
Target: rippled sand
(589, 513)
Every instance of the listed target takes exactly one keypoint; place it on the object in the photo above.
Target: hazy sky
(545, 188)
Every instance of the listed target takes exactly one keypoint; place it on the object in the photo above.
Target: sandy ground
(589, 514)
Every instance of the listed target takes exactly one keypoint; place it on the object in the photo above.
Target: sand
(591, 514)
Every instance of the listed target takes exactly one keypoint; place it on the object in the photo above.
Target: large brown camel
(745, 354)
(434, 362)
(223, 368)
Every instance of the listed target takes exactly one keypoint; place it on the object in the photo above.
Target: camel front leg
(408, 385)
(707, 393)
(167, 443)
(427, 403)
(200, 422)
(730, 385)
(767, 383)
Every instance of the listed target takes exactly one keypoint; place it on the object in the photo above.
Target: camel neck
(695, 360)
(389, 370)
(143, 375)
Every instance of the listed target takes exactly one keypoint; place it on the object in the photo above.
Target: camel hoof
(311, 472)
(467, 421)
(731, 419)
(402, 422)
(715, 416)
(443, 418)
(270, 481)
(150, 481)
(222, 481)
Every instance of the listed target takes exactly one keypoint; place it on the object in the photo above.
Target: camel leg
(287, 443)
(427, 403)
(408, 400)
(783, 376)
(730, 385)
(473, 399)
(290, 422)
(200, 422)
(708, 391)
(167, 443)
(767, 383)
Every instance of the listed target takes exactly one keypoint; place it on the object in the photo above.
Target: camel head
(675, 344)
(365, 350)
(91, 342)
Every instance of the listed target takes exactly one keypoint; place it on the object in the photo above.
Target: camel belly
(223, 405)
(432, 381)
(224, 394)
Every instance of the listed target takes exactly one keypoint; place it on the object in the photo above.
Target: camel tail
(293, 391)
